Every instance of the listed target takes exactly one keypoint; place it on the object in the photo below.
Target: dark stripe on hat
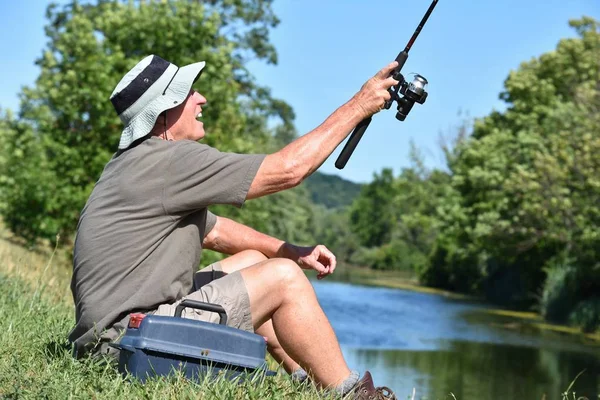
(126, 97)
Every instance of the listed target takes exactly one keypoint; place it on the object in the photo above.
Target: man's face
(183, 121)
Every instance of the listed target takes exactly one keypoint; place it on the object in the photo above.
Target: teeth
(199, 115)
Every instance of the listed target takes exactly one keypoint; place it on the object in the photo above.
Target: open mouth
(199, 115)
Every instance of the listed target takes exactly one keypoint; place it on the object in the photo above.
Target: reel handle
(351, 144)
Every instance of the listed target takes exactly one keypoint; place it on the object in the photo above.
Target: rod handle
(351, 144)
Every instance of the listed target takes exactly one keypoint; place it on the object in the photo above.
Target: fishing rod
(413, 92)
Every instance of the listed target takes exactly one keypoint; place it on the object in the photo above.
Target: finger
(386, 96)
(389, 82)
(387, 70)
(317, 266)
(333, 265)
(330, 258)
(323, 275)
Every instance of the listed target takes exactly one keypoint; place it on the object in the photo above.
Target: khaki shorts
(212, 285)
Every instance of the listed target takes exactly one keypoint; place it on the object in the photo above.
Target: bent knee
(287, 273)
(241, 260)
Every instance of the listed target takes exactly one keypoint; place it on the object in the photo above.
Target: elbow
(283, 171)
(295, 173)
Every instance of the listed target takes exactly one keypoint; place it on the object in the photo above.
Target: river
(442, 347)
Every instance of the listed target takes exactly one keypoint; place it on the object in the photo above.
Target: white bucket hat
(154, 85)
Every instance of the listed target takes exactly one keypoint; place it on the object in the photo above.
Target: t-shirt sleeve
(199, 176)
(211, 221)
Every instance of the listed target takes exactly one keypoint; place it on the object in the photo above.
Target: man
(141, 232)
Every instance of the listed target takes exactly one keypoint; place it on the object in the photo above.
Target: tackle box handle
(202, 306)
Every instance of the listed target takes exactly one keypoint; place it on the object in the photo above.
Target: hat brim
(176, 93)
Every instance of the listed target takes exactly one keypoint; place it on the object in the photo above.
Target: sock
(345, 387)
(299, 375)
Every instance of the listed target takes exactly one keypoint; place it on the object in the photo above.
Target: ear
(159, 124)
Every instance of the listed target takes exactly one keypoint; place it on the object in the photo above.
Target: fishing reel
(413, 92)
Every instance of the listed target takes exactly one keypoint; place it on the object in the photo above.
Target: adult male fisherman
(142, 230)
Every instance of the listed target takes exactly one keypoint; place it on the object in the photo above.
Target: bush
(560, 293)
(586, 314)
(451, 268)
(397, 255)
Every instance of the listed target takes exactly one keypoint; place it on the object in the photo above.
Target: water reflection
(480, 371)
(438, 346)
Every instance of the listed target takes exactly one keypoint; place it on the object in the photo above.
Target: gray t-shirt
(139, 237)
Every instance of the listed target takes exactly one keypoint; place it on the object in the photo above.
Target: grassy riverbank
(35, 361)
(36, 313)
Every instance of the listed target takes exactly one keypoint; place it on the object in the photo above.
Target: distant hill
(331, 191)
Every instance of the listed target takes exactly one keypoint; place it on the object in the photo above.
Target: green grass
(36, 315)
(35, 361)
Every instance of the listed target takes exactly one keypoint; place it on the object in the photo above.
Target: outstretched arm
(296, 161)
(230, 237)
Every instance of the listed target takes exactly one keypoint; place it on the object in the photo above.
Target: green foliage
(564, 289)
(67, 130)
(586, 314)
(517, 217)
(525, 188)
(25, 180)
(331, 191)
(372, 213)
(396, 255)
(448, 266)
(330, 227)
(395, 218)
(560, 290)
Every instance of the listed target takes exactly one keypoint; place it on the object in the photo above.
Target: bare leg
(243, 260)
(279, 290)
(275, 348)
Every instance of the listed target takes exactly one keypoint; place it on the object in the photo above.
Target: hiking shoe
(366, 390)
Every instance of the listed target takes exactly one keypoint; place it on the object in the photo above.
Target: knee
(241, 260)
(288, 274)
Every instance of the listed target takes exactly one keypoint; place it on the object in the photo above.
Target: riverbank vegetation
(513, 218)
(516, 216)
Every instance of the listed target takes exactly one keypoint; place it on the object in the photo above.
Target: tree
(395, 217)
(526, 194)
(66, 129)
(372, 213)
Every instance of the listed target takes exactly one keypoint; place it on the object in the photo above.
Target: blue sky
(327, 49)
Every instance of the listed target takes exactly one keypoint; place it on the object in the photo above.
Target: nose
(199, 98)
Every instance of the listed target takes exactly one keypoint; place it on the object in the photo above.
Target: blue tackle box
(159, 345)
